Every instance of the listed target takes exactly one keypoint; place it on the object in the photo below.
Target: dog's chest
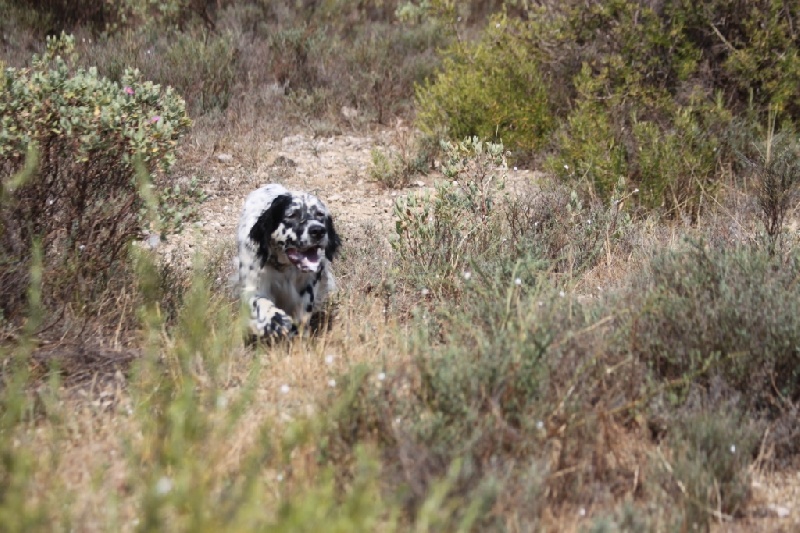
(287, 290)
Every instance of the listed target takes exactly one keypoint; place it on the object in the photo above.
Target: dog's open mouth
(306, 260)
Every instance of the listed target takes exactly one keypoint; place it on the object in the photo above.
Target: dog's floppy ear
(268, 222)
(334, 242)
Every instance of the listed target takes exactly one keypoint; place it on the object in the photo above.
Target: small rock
(224, 158)
(419, 183)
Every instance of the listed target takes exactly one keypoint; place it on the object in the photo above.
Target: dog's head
(296, 229)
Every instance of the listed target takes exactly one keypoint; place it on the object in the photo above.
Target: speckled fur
(281, 295)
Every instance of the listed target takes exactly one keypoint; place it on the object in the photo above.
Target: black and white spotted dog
(286, 243)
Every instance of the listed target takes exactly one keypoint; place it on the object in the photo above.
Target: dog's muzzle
(307, 260)
(307, 255)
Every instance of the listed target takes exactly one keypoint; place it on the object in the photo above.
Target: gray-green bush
(706, 310)
(82, 201)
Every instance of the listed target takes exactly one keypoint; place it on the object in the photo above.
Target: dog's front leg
(268, 321)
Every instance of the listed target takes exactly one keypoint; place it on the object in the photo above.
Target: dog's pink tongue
(308, 260)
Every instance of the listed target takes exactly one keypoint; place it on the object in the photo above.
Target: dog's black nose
(316, 232)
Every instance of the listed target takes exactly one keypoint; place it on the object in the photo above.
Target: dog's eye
(293, 215)
(319, 215)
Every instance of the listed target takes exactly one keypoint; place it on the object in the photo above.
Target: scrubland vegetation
(613, 346)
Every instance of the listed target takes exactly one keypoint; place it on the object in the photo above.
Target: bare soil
(334, 168)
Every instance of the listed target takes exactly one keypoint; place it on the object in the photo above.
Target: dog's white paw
(268, 321)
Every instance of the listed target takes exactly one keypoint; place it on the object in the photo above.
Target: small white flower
(515, 169)
(381, 376)
(284, 389)
(535, 224)
(82, 247)
(332, 383)
(163, 486)
(425, 292)
(497, 25)
(589, 221)
(517, 282)
(561, 293)
(541, 303)
(279, 477)
(455, 182)
(582, 511)
(566, 167)
(329, 359)
(539, 424)
(733, 448)
(222, 401)
(467, 275)
(636, 190)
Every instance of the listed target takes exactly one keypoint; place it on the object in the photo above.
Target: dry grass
(88, 436)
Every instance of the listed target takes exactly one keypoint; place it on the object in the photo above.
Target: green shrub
(492, 89)
(494, 345)
(82, 202)
(777, 171)
(438, 236)
(388, 172)
(395, 167)
(622, 128)
(504, 384)
(708, 473)
(201, 66)
(649, 94)
(705, 310)
(471, 222)
(589, 147)
(750, 47)
(632, 518)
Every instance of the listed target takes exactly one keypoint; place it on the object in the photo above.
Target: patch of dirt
(334, 168)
